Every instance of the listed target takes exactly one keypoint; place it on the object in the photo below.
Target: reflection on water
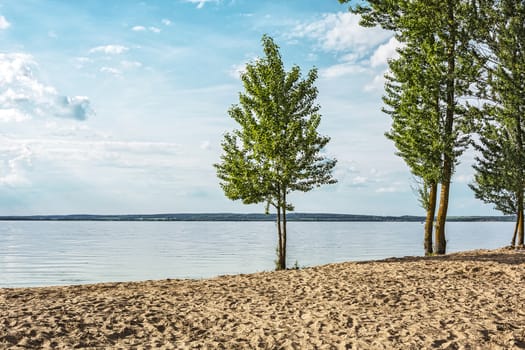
(59, 253)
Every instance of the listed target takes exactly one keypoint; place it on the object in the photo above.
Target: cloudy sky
(120, 106)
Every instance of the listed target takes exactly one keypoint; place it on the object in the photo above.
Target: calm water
(59, 253)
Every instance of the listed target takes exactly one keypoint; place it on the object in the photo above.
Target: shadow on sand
(507, 255)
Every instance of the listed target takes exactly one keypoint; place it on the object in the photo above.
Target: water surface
(40, 253)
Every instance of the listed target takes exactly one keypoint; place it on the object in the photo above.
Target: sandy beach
(471, 300)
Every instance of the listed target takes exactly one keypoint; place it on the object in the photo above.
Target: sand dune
(472, 300)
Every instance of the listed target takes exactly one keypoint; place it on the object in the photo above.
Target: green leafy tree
(412, 98)
(277, 148)
(500, 173)
(497, 179)
(448, 25)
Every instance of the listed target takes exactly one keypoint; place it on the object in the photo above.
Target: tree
(497, 179)
(447, 24)
(500, 173)
(277, 149)
(412, 95)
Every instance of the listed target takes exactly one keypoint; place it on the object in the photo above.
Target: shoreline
(250, 217)
(465, 300)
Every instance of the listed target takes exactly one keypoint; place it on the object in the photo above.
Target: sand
(471, 300)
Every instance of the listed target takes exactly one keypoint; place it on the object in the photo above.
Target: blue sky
(120, 106)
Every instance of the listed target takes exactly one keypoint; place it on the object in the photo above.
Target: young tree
(448, 24)
(277, 149)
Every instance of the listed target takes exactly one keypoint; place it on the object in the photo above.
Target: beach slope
(471, 300)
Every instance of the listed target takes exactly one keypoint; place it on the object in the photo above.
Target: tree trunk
(513, 241)
(279, 263)
(429, 223)
(284, 231)
(519, 140)
(441, 219)
(448, 161)
(520, 220)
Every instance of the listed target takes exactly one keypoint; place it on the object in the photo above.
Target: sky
(114, 107)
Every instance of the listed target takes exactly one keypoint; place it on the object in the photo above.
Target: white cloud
(124, 66)
(81, 62)
(166, 22)
(464, 178)
(359, 180)
(344, 171)
(110, 49)
(396, 187)
(110, 70)
(390, 189)
(8, 115)
(73, 152)
(23, 95)
(4, 24)
(385, 52)
(377, 83)
(341, 32)
(205, 145)
(79, 153)
(237, 70)
(130, 64)
(72, 107)
(341, 69)
(201, 3)
(358, 48)
(143, 29)
(14, 162)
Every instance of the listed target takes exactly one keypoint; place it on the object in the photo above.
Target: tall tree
(412, 95)
(500, 173)
(448, 24)
(277, 149)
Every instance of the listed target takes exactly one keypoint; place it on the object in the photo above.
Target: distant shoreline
(232, 217)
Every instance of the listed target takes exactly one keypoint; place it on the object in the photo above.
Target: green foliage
(497, 179)
(422, 191)
(435, 70)
(501, 123)
(412, 95)
(276, 149)
(419, 82)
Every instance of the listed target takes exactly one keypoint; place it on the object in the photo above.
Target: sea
(50, 253)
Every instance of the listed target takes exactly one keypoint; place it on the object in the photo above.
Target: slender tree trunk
(429, 223)
(448, 161)
(520, 220)
(441, 219)
(519, 140)
(279, 262)
(284, 231)
(513, 241)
